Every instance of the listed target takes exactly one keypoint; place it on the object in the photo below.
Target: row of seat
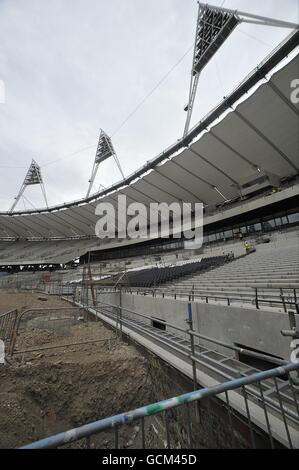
(156, 276)
(271, 274)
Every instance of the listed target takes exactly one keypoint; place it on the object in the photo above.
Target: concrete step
(240, 276)
(275, 281)
(234, 276)
(261, 259)
(232, 294)
(261, 268)
(250, 288)
(286, 289)
(268, 290)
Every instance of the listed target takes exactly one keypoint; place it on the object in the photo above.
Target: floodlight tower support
(214, 25)
(32, 177)
(256, 19)
(194, 80)
(105, 150)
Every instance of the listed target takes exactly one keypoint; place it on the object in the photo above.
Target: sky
(71, 68)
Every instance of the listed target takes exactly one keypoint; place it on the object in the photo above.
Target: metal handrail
(244, 351)
(114, 422)
(164, 289)
(171, 325)
(255, 299)
(194, 359)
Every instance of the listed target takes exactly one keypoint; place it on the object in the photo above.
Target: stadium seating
(273, 272)
(52, 252)
(158, 276)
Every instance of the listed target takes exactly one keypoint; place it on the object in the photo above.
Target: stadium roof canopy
(253, 129)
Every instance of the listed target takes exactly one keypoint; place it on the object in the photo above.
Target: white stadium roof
(259, 132)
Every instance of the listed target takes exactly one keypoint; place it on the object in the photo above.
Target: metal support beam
(32, 177)
(256, 19)
(213, 166)
(213, 187)
(266, 139)
(192, 96)
(287, 101)
(214, 25)
(105, 150)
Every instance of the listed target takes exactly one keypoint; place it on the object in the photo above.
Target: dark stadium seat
(156, 276)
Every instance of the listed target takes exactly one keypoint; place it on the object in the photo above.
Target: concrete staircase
(273, 272)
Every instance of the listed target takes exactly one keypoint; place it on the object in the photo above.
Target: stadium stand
(238, 146)
(48, 252)
(159, 276)
(266, 268)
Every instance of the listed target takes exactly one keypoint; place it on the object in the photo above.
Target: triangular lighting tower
(32, 177)
(105, 150)
(214, 26)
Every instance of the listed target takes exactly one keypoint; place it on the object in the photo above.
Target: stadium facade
(244, 147)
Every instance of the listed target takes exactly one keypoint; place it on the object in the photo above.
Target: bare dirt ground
(11, 299)
(50, 390)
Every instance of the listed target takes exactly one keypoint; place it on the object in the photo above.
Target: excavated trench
(69, 370)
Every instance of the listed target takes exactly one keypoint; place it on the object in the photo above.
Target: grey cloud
(73, 67)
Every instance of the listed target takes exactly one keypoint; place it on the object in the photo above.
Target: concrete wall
(255, 329)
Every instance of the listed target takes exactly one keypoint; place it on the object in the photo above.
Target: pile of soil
(53, 390)
(40, 398)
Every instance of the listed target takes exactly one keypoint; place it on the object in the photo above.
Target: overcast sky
(73, 67)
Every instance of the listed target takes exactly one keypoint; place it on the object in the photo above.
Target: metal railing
(186, 331)
(193, 354)
(276, 297)
(258, 298)
(8, 323)
(63, 336)
(142, 415)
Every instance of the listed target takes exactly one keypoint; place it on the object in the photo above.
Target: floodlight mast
(105, 150)
(214, 26)
(33, 177)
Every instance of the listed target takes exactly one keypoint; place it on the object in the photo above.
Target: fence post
(284, 303)
(192, 349)
(117, 318)
(192, 346)
(120, 313)
(295, 296)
